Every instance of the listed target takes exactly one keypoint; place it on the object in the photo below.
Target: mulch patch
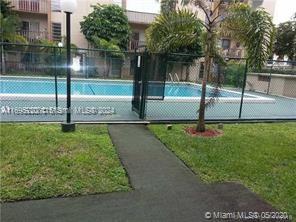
(208, 133)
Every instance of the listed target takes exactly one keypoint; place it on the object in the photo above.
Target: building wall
(277, 85)
(268, 5)
(281, 85)
(253, 84)
(289, 88)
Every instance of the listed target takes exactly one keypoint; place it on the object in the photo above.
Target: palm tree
(174, 32)
(253, 28)
(163, 36)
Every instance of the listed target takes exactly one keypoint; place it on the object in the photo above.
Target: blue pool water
(95, 87)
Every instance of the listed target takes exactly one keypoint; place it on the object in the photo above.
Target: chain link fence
(33, 86)
(234, 92)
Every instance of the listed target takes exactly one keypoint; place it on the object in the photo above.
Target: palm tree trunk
(202, 105)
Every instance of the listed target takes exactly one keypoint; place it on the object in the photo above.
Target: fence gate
(138, 101)
(149, 80)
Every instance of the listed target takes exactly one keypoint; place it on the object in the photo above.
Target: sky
(284, 10)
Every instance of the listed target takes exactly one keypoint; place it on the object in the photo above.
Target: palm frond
(254, 28)
(173, 30)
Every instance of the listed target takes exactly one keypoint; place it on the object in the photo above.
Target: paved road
(164, 190)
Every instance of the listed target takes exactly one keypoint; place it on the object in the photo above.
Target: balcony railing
(134, 44)
(35, 6)
(140, 17)
(233, 53)
(33, 36)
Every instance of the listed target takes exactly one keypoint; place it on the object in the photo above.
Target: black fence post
(243, 90)
(144, 79)
(55, 76)
(269, 79)
(2, 58)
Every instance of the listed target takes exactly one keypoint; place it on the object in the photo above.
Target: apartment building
(43, 19)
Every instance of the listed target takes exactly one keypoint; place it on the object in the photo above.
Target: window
(56, 5)
(30, 26)
(25, 26)
(225, 44)
(136, 36)
(56, 31)
(34, 27)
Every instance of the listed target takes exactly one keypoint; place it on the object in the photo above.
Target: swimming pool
(93, 89)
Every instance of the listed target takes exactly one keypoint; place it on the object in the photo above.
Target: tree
(5, 8)
(175, 32)
(8, 26)
(107, 28)
(109, 23)
(285, 44)
(253, 28)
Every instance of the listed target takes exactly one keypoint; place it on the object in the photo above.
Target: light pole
(68, 6)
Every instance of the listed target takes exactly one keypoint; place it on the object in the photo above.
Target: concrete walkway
(164, 190)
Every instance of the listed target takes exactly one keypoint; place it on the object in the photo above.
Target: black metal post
(269, 79)
(55, 77)
(68, 46)
(68, 126)
(243, 90)
(144, 86)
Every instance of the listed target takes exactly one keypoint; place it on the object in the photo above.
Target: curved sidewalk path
(164, 190)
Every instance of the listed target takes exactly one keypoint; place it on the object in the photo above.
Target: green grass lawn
(260, 156)
(39, 161)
